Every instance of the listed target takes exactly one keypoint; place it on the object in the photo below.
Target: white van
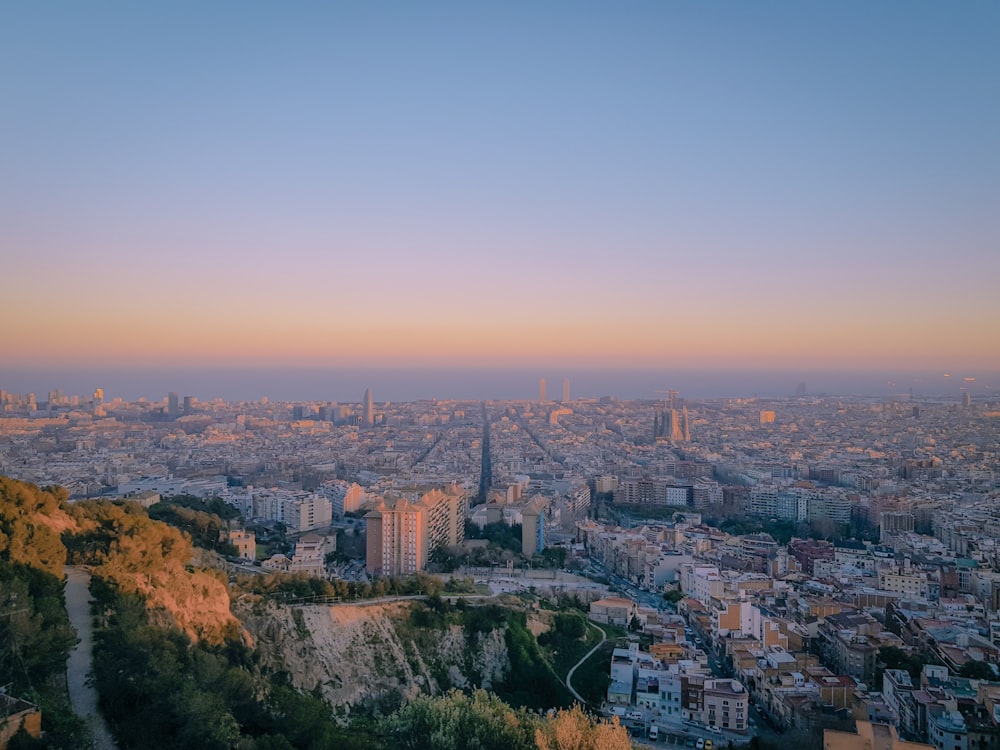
(654, 732)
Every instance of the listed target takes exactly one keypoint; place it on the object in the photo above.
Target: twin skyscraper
(541, 390)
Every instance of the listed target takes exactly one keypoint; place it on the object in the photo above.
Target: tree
(573, 729)
(569, 625)
(673, 596)
(455, 721)
(35, 633)
(892, 657)
(977, 670)
(554, 557)
(26, 534)
(207, 530)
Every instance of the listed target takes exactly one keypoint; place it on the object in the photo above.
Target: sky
(454, 184)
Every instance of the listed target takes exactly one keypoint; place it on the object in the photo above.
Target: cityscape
(502, 376)
(780, 563)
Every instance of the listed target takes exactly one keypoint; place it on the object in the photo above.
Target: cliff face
(362, 654)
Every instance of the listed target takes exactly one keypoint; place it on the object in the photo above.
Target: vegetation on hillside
(173, 670)
(456, 721)
(139, 555)
(532, 681)
(28, 515)
(205, 521)
(299, 586)
(158, 689)
(35, 634)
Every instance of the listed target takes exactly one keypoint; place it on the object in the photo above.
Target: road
(82, 694)
(569, 675)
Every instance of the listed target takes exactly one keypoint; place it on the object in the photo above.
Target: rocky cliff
(361, 656)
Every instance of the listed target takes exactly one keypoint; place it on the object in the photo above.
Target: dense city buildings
(806, 540)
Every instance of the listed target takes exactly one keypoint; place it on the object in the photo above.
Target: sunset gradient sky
(726, 184)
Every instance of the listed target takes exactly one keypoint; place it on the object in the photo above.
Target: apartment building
(403, 533)
(299, 511)
(654, 491)
(725, 704)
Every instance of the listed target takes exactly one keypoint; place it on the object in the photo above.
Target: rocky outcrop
(359, 655)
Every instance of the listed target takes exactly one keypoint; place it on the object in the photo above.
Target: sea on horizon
(347, 385)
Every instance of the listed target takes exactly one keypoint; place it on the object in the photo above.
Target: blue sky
(393, 177)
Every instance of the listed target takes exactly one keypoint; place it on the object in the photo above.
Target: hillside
(374, 657)
(122, 544)
(176, 668)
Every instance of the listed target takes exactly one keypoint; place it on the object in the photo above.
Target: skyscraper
(541, 390)
(173, 404)
(368, 417)
(565, 398)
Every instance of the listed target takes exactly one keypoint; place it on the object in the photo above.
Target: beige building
(869, 736)
(725, 705)
(402, 534)
(146, 498)
(397, 538)
(908, 582)
(614, 610)
(245, 543)
(310, 554)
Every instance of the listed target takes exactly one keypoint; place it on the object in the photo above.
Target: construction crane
(671, 393)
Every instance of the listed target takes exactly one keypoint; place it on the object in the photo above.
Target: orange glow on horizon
(257, 326)
(601, 345)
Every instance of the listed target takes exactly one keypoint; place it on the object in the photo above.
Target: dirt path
(569, 675)
(82, 694)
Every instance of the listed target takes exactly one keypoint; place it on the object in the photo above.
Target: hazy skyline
(347, 385)
(767, 185)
